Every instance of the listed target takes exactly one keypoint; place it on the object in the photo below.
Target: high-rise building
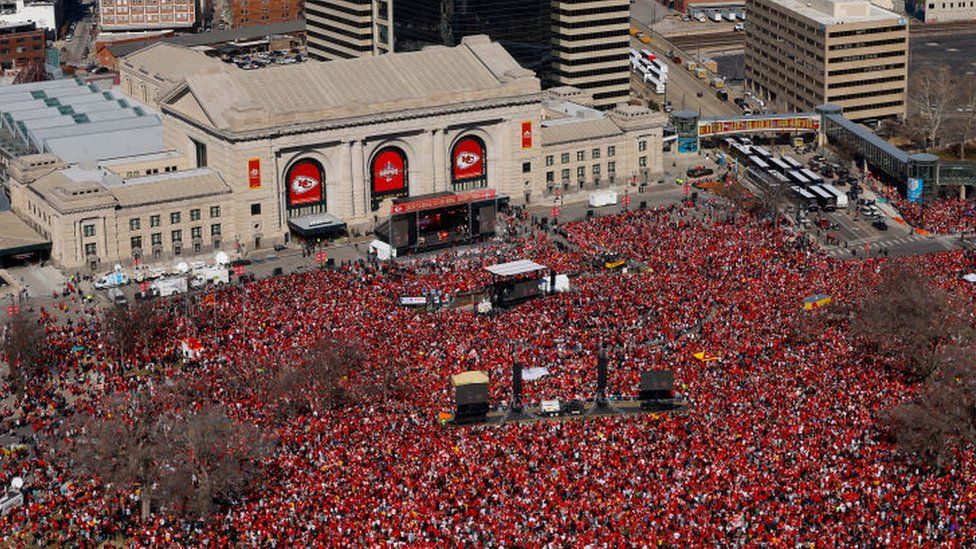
(581, 43)
(115, 15)
(847, 52)
(522, 27)
(590, 48)
(940, 11)
(343, 29)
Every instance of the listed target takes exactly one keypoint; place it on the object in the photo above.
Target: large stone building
(846, 52)
(343, 29)
(278, 150)
(94, 216)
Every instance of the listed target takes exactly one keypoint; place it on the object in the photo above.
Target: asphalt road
(682, 88)
(74, 50)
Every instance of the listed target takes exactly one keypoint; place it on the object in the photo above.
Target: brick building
(245, 13)
(21, 44)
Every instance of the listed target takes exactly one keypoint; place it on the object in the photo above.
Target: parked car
(739, 27)
(700, 171)
(722, 94)
(880, 225)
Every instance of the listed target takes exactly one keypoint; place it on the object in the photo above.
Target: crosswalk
(890, 242)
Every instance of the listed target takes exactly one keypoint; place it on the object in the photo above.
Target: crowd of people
(941, 216)
(780, 444)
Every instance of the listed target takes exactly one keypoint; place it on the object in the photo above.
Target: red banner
(254, 173)
(304, 183)
(389, 171)
(554, 212)
(468, 159)
(527, 135)
(442, 201)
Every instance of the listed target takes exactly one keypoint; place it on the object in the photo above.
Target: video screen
(451, 220)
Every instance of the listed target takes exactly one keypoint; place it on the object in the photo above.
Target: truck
(213, 274)
(717, 17)
(117, 297)
(718, 83)
(111, 280)
(165, 287)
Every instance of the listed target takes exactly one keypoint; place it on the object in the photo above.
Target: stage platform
(500, 414)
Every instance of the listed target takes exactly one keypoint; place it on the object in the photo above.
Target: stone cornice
(350, 122)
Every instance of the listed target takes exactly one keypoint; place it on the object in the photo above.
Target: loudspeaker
(601, 374)
(656, 385)
(472, 402)
(277, 271)
(516, 387)
(643, 205)
(543, 221)
(589, 214)
(694, 197)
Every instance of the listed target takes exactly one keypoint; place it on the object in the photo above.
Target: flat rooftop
(77, 121)
(838, 12)
(17, 237)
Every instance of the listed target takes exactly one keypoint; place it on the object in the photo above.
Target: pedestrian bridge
(885, 160)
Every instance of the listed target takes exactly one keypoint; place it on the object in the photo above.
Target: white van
(213, 274)
(111, 280)
(165, 287)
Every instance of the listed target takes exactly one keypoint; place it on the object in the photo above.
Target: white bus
(841, 198)
(756, 149)
(661, 66)
(654, 83)
(826, 200)
(806, 200)
(794, 163)
(797, 178)
(778, 164)
(758, 163)
(813, 177)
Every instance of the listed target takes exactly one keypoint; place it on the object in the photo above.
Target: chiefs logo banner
(468, 159)
(305, 183)
(527, 135)
(389, 171)
(254, 173)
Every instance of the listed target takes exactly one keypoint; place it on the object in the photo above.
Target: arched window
(305, 187)
(469, 166)
(389, 175)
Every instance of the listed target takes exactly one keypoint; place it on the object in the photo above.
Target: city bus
(826, 200)
(797, 177)
(758, 163)
(778, 164)
(806, 200)
(792, 162)
(761, 151)
(812, 176)
(654, 83)
(840, 198)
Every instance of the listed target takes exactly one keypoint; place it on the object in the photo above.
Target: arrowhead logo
(465, 160)
(302, 184)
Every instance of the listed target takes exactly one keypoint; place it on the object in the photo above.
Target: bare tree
(933, 91)
(23, 348)
(967, 103)
(124, 447)
(183, 456)
(943, 417)
(213, 460)
(905, 321)
(319, 380)
(128, 327)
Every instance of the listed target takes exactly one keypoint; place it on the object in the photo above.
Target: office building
(850, 53)
(47, 14)
(940, 11)
(343, 29)
(244, 13)
(566, 43)
(590, 48)
(119, 15)
(21, 45)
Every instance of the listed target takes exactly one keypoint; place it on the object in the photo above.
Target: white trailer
(165, 287)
